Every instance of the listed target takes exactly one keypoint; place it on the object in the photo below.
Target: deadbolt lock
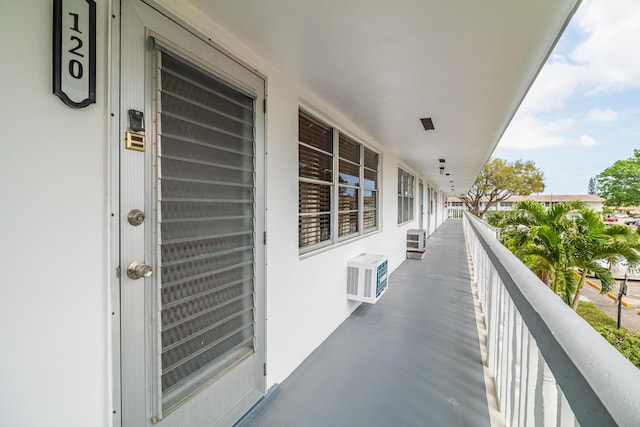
(138, 270)
(136, 217)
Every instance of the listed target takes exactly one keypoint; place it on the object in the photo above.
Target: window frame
(406, 193)
(336, 209)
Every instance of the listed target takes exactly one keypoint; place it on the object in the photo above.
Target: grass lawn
(627, 343)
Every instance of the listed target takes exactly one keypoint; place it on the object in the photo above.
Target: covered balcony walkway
(412, 359)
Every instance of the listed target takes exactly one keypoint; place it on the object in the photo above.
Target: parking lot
(630, 319)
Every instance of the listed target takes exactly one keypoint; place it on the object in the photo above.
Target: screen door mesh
(205, 183)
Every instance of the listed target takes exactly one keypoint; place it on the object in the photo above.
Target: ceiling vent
(427, 123)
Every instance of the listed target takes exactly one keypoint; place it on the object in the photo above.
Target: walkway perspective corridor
(412, 359)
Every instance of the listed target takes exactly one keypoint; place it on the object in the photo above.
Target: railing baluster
(516, 366)
(490, 315)
(565, 414)
(508, 357)
(549, 395)
(499, 350)
(532, 378)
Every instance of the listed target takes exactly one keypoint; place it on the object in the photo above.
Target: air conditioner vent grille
(352, 280)
(367, 283)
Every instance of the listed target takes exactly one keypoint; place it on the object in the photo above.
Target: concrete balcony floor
(412, 359)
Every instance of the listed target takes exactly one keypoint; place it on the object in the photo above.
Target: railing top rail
(600, 384)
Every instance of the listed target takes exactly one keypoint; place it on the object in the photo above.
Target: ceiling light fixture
(441, 166)
(427, 123)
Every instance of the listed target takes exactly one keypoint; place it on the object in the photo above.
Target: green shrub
(627, 343)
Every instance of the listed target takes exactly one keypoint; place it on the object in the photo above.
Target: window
(334, 207)
(315, 171)
(405, 196)
(370, 190)
(348, 186)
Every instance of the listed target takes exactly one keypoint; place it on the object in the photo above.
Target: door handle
(135, 217)
(138, 270)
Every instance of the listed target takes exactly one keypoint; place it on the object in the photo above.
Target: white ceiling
(467, 64)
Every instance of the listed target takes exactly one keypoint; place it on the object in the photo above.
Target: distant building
(592, 201)
(630, 210)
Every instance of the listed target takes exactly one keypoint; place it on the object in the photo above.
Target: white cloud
(559, 125)
(529, 133)
(587, 141)
(557, 81)
(594, 63)
(604, 61)
(602, 116)
(613, 33)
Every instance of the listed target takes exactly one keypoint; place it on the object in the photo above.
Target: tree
(498, 180)
(592, 186)
(619, 184)
(556, 242)
(538, 236)
(592, 240)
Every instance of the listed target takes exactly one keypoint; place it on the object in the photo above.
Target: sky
(583, 111)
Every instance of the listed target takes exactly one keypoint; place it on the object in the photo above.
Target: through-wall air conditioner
(416, 243)
(367, 276)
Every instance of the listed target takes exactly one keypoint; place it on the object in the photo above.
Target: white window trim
(412, 216)
(336, 240)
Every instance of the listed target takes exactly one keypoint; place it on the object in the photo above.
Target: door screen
(205, 232)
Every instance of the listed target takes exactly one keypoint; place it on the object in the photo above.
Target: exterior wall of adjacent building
(59, 218)
(592, 202)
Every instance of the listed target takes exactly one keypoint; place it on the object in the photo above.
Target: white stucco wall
(55, 235)
(53, 218)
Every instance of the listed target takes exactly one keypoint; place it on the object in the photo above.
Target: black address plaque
(74, 52)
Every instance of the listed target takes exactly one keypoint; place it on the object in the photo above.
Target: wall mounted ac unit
(367, 277)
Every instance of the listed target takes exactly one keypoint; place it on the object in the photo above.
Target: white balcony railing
(454, 213)
(550, 367)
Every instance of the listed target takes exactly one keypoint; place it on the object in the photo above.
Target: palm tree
(538, 236)
(590, 244)
(554, 242)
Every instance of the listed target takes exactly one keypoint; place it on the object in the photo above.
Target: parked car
(620, 269)
(633, 221)
(617, 218)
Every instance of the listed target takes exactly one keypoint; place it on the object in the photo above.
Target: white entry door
(192, 209)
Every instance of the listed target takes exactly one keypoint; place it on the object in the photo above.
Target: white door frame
(181, 37)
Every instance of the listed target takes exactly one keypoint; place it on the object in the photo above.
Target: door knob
(138, 270)
(136, 217)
